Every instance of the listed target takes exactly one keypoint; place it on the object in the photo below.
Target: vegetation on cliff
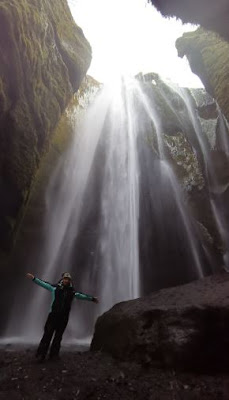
(31, 230)
(44, 57)
(208, 56)
(181, 146)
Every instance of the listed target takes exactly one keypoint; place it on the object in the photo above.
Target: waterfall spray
(115, 215)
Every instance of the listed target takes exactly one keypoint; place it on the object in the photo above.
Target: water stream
(215, 162)
(115, 217)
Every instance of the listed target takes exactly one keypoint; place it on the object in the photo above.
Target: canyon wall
(44, 58)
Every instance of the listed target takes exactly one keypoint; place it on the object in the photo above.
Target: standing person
(62, 295)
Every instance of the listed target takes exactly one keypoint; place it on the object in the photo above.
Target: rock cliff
(210, 14)
(44, 57)
(208, 56)
(183, 130)
(31, 231)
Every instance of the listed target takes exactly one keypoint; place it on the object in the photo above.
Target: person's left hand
(30, 276)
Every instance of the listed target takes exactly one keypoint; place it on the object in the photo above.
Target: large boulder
(44, 57)
(185, 326)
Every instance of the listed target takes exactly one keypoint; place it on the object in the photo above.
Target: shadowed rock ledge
(210, 14)
(44, 57)
(185, 326)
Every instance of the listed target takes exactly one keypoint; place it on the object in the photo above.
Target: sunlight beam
(131, 36)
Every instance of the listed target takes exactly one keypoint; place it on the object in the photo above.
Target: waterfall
(115, 217)
(215, 164)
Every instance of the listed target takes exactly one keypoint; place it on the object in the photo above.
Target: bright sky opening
(131, 36)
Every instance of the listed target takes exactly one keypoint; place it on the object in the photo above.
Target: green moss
(184, 162)
(34, 209)
(167, 103)
(64, 129)
(44, 57)
(208, 55)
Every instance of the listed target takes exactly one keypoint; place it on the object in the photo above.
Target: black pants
(55, 325)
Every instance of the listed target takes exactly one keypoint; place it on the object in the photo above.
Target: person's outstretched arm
(41, 283)
(83, 296)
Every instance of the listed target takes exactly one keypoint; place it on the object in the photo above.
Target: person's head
(66, 279)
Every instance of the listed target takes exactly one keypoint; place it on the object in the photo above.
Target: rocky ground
(85, 375)
(181, 313)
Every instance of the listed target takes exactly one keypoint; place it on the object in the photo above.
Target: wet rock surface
(185, 327)
(183, 132)
(208, 55)
(97, 376)
(44, 58)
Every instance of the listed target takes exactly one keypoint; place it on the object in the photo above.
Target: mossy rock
(29, 227)
(165, 102)
(208, 55)
(180, 147)
(44, 58)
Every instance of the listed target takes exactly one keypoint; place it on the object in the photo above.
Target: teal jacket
(62, 296)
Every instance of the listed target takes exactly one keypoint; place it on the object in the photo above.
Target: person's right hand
(95, 300)
(30, 276)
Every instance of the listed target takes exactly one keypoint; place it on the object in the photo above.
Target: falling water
(115, 214)
(215, 164)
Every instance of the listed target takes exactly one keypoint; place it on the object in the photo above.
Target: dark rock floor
(85, 375)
